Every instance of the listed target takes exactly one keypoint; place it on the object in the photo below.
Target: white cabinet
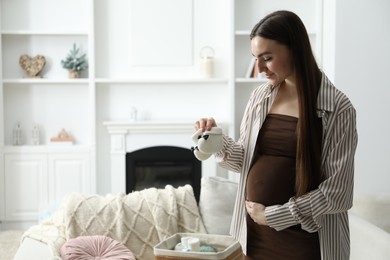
(36, 176)
(68, 173)
(35, 179)
(26, 183)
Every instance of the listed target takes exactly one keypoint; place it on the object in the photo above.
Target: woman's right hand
(205, 124)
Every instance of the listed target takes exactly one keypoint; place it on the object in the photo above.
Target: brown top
(271, 181)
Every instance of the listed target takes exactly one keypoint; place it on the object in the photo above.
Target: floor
(9, 243)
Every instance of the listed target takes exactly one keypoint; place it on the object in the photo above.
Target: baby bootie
(207, 143)
(198, 154)
(211, 141)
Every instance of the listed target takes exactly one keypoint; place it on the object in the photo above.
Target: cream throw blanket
(139, 220)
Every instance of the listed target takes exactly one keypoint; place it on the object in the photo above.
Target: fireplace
(159, 166)
(128, 137)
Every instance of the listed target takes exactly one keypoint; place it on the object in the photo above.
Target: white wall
(356, 57)
(361, 70)
(161, 101)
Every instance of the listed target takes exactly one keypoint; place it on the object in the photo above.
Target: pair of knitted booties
(207, 143)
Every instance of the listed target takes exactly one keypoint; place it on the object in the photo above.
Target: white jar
(207, 62)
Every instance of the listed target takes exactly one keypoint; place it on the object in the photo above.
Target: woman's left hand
(256, 211)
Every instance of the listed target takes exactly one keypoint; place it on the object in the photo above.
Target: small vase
(74, 74)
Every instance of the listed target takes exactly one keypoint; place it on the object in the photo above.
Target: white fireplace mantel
(127, 136)
(141, 127)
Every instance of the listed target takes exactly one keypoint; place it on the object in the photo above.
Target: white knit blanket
(139, 220)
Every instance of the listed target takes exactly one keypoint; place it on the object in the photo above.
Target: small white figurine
(35, 135)
(17, 134)
(133, 114)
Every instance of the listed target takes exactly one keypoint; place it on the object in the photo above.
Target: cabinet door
(26, 185)
(68, 173)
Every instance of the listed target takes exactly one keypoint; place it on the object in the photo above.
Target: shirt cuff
(280, 217)
(220, 155)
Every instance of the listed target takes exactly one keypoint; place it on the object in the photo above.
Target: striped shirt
(323, 210)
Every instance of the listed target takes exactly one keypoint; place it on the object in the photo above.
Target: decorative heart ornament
(32, 65)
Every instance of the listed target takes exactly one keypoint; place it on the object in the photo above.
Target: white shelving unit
(118, 78)
(245, 14)
(36, 177)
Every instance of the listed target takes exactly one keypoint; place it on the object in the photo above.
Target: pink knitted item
(95, 247)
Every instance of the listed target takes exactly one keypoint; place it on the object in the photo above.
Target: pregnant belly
(271, 180)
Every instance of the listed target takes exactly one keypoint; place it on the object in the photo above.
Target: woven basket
(227, 248)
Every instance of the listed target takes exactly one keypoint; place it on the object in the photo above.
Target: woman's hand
(256, 211)
(205, 124)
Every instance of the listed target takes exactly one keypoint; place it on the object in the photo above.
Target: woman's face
(273, 59)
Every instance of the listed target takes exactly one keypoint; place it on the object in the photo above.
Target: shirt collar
(326, 95)
(325, 98)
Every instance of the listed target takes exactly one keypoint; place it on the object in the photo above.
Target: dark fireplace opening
(161, 165)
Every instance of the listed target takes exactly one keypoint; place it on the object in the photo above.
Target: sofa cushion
(367, 240)
(139, 220)
(95, 247)
(216, 204)
(32, 247)
(375, 208)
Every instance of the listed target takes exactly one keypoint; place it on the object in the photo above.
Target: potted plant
(75, 62)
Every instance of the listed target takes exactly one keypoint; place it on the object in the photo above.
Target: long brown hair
(286, 28)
